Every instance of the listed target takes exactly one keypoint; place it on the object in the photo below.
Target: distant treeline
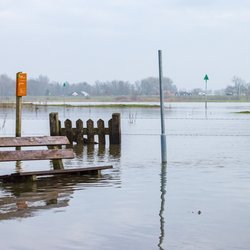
(43, 87)
(149, 86)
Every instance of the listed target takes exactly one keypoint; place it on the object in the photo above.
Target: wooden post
(116, 129)
(79, 131)
(55, 131)
(68, 130)
(21, 90)
(54, 124)
(18, 116)
(101, 132)
(110, 132)
(90, 131)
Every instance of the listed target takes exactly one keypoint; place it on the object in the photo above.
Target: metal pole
(163, 135)
(206, 94)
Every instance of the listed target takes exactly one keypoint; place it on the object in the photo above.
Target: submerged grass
(113, 105)
(126, 105)
(244, 112)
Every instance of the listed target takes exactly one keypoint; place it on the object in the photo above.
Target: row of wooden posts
(76, 134)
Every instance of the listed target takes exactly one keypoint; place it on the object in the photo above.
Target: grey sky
(81, 40)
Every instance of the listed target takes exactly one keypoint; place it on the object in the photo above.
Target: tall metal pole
(163, 135)
(206, 94)
(206, 78)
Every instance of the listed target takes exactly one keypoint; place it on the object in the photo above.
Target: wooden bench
(53, 152)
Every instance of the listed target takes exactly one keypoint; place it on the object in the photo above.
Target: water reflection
(22, 200)
(100, 153)
(115, 151)
(162, 208)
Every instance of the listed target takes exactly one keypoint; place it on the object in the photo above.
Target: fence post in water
(68, 130)
(54, 124)
(55, 131)
(101, 132)
(90, 131)
(115, 129)
(163, 135)
(79, 131)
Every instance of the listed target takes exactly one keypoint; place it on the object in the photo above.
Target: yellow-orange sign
(21, 84)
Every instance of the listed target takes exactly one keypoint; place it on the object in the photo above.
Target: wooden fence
(77, 133)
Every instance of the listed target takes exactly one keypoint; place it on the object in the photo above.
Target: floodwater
(199, 200)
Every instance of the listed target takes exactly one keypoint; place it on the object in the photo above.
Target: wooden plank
(73, 171)
(33, 141)
(62, 171)
(26, 155)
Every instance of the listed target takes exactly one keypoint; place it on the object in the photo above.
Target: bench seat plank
(33, 141)
(62, 171)
(25, 155)
(22, 176)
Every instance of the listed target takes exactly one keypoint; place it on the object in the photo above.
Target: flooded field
(199, 200)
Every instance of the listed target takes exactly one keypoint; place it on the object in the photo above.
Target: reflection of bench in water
(54, 152)
(22, 200)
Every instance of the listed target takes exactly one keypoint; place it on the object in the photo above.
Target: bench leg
(57, 164)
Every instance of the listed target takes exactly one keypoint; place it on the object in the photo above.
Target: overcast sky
(80, 40)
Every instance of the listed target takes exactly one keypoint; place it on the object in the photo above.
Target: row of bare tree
(43, 87)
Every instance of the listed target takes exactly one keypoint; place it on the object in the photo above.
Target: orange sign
(21, 84)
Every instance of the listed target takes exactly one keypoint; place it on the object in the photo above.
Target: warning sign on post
(21, 84)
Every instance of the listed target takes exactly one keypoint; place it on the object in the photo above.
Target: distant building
(74, 94)
(84, 93)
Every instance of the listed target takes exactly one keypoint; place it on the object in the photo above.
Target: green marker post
(206, 79)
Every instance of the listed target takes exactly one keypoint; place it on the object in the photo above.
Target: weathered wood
(110, 132)
(79, 131)
(33, 141)
(76, 134)
(54, 124)
(69, 131)
(90, 131)
(101, 131)
(74, 171)
(116, 129)
(18, 115)
(26, 155)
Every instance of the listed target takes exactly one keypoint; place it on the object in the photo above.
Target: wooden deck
(22, 176)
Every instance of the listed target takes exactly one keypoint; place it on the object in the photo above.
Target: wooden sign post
(21, 90)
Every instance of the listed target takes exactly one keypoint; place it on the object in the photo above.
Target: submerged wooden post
(101, 132)
(79, 131)
(68, 130)
(110, 131)
(55, 131)
(54, 124)
(115, 129)
(90, 131)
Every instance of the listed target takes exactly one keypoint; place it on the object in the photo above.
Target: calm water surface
(199, 200)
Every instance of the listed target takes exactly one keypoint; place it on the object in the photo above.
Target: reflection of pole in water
(161, 213)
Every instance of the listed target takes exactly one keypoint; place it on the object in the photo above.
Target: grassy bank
(244, 112)
(126, 99)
